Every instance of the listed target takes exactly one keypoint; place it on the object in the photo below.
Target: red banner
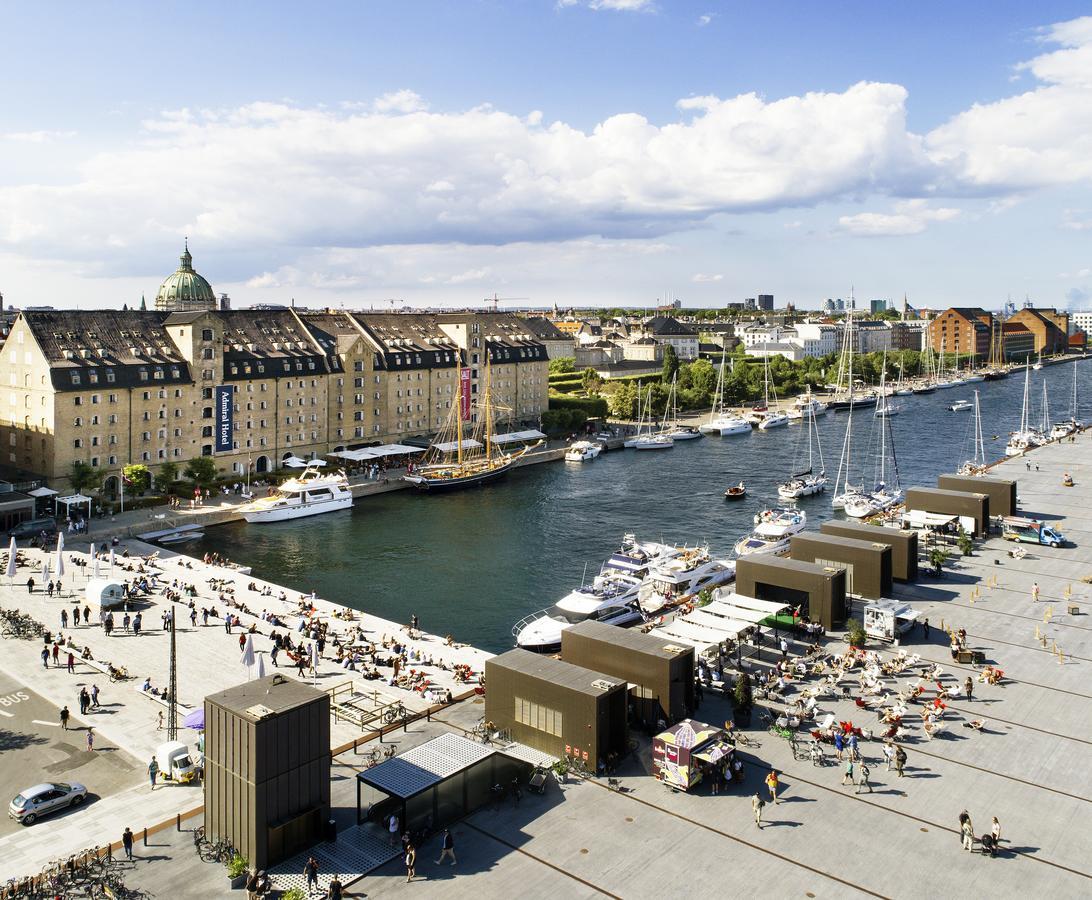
(464, 395)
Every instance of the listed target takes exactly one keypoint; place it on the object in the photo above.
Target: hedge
(592, 407)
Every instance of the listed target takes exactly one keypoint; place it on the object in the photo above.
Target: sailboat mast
(459, 413)
(979, 445)
(488, 408)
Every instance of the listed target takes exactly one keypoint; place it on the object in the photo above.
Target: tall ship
(312, 493)
(457, 460)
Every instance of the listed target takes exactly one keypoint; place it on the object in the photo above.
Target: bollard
(145, 837)
(178, 822)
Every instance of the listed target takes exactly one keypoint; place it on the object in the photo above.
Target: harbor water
(472, 563)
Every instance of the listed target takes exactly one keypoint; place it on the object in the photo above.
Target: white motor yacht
(806, 405)
(582, 451)
(311, 494)
(773, 529)
(961, 406)
(693, 570)
(773, 418)
(610, 599)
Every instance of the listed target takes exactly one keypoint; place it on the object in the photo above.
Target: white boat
(683, 433)
(181, 537)
(861, 505)
(721, 421)
(1038, 365)
(773, 529)
(772, 417)
(977, 464)
(942, 384)
(612, 597)
(650, 440)
(1069, 426)
(842, 487)
(672, 427)
(961, 406)
(689, 572)
(311, 494)
(806, 482)
(582, 451)
(1025, 438)
(805, 405)
(885, 408)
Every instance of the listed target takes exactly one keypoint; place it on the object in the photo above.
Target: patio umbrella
(11, 560)
(111, 560)
(294, 462)
(317, 462)
(315, 658)
(261, 666)
(60, 554)
(195, 720)
(248, 653)
(94, 556)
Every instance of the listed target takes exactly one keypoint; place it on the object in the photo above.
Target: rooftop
(275, 693)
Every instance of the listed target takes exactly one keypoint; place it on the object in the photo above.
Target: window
(94, 399)
(537, 716)
(206, 334)
(77, 401)
(75, 377)
(77, 421)
(206, 412)
(207, 353)
(77, 443)
(206, 449)
(206, 431)
(206, 394)
(145, 435)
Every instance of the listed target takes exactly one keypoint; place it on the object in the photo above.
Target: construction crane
(496, 301)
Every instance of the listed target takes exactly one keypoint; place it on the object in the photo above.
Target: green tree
(168, 475)
(562, 364)
(703, 379)
(137, 478)
(671, 364)
(201, 470)
(591, 382)
(855, 633)
(964, 542)
(83, 476)
(741, 693)
(623, 400)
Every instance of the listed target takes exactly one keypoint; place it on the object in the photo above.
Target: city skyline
(605, 153)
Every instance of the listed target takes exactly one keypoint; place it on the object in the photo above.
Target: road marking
(9, 715)
(40, 722)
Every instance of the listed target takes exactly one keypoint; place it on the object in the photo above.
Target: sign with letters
(464, 395)
(224, 418)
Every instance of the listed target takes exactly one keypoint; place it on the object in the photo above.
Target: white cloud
(616, 5)
(403, 101)
(37, 137)
(701, 278)
(704, 20)
(1076, 220)
(909, 217)
(1038, 138)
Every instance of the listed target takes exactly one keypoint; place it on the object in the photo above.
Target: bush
(294, 894)
(741, 693)
(137, 477)
(562, 421)
(562, 364)
(855, 633)
(964, 542)
(237, 866)
(592, 407)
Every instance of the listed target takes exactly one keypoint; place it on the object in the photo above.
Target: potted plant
(294, 894)
(855, 633)
(964, 542)
(742, 699)
(237, 869)
(937, 558)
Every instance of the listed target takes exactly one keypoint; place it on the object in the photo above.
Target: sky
(569, 152)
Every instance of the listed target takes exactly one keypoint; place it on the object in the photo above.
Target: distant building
(828, 305)
(557, 342)
(1018, 341)
(873, 336)
(792, 352)
(817, 338)
(185, 290)
(1049, 327)
(1080, 320)
(749, 304)
(962, 329)
(877, 307)
(765, 301)
(907, 335)
(669, 330)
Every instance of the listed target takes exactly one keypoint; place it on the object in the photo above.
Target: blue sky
(572, 152)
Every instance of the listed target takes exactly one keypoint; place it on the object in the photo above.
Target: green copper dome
(185, 290)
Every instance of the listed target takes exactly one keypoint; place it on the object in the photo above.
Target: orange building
(962, 329)
(1049, 327)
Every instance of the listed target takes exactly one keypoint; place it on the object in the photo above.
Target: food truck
(887, 619)
(1030, 531)
(686, 751)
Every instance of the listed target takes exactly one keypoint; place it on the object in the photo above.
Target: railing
(527, 620)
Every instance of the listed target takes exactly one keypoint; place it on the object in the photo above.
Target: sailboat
(1038, 365)
(722, 421)
(651, 440)
(672, 427)
(807, 482)
(1025, 438)
(772, 417)
(977, 465)
(943, 381)
(631, 442)
(844, 395)
(883, 495)
(902, 389)
(477, 460)
(842, 487)
(1066, 428)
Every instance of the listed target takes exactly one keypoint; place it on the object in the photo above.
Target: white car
(42, 799)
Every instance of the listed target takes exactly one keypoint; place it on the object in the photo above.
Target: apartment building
(964, 330)
(1048, 327)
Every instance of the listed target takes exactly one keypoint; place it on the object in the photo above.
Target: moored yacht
(310, 494)
(774, 527)
(610, 599)
(721, 421)
(581, 451)
(691, 571)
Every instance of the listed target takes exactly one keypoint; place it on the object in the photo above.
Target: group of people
(990, 841)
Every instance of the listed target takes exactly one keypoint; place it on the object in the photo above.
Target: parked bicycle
(394, 713)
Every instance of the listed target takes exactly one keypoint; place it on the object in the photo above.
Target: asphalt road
(34, 748)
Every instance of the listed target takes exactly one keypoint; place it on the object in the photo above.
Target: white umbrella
(248, 652)
(60, 554)
(95, 557)
(261, 665)
(315, 659)
(294, 462)
(11, 559)
(111, 560)
(317, 462)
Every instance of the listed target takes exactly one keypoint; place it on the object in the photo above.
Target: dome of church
(185, 290)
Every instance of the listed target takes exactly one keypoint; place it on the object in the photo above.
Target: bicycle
(395, 712)
(118, 673)
(744, 740)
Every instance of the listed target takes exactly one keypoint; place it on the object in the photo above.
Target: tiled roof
(545, 330)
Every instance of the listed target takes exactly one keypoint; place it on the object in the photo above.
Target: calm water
(473, 563)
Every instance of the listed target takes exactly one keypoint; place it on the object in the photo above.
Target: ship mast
(459, 407)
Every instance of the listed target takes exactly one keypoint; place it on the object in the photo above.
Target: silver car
(43, 799)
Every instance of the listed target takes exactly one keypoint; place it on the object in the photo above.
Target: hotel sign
(464, 395)
(224, 420)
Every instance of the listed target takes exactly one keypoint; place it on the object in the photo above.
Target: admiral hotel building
(114, 387)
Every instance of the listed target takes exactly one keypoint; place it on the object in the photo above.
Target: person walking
(411, 863)
(447, 847)
(888, 754)
(847, 773)
(900, 760)
(90, 740)
(126, 621)
(968, 686)
(108, 624)
(71, 663)
(159, 722)
(995, 831)
(136, 624)
(966, 831)
(30, 585)
(1035, 592)
(85, 701)
(784, 648)
(853, 752)
(839, 745)
(310, 874)
(49, 590)
(127, 843)
(193, 617)
(153, 771)
(95, 696)
(771, 783)
(45, 657)
(862, 779)
(757, 804)
(392, 830)
(56, 654)
(64, 717)
(87, 615)
(336, 891)
(64, 618)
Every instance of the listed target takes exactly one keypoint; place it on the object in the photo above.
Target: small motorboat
(736, 492)
(180, 537)
(961, 406)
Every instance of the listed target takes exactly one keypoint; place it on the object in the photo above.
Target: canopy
(77, 500)
(731, 611)
(294, 462)
(517, 436)
(732, 628)
(468, 443)
(43, 492)
(362, 453)
(195, 720)
(714, 752)
(919, 518)
(769, 607)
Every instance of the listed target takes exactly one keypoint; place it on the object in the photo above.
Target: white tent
(514, 436)
(294, 462)
(74, 500)
(767, 606)
(731, 628)
(451, 446)
(382, 450)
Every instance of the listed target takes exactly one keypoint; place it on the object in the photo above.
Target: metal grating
(356, 852)
(426, 765)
